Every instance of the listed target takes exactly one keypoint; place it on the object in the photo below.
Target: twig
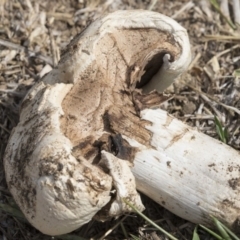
(153, 3)
(206, 8)
(215, 100)
(5, 233)
(185, 8)
(229, 107)
(202, 117)
(21, 48)
(2, 189)
(55, 55)
(84, 10)
(195, 60)
(29, 4)
(224, 52)
(60, 16)
(5, 129)
(21, 228)
(221, 38)
(111, 229)
(204, 97)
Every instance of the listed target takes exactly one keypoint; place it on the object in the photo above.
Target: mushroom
(91, 133)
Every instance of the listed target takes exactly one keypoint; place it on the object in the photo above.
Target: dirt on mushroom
(66, 106)
(67, 19)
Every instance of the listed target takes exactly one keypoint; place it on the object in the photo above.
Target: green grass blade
(211, 232)
(225, 132)
(109, 231)
(134, 237)
(149, 220)
(221, 230)
(219, 128)
(236, 73)
(230, 233)
(195, 234)
(12, 211)
(217, 7)
(124, 230)
(221, 131)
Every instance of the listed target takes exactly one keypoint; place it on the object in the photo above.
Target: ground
(32, 34)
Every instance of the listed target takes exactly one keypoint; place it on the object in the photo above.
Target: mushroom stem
(87, 122)
(188, 172)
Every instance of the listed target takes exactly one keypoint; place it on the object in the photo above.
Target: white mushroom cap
(124, 183)
(66, 156)
(56, 192)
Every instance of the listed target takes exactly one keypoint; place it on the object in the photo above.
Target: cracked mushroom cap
(66, 161)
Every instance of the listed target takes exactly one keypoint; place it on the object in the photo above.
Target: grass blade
(211, 232)
(12, 211)
(220, 228)
(134, 237)
(217, 7)
(149, 220)
(221, 131)
(230, 233)
(124, 230)
(236, 73)
(195, 234)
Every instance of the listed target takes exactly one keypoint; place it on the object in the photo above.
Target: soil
(32, 35)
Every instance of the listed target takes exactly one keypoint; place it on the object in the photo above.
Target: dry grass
(32, 34)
